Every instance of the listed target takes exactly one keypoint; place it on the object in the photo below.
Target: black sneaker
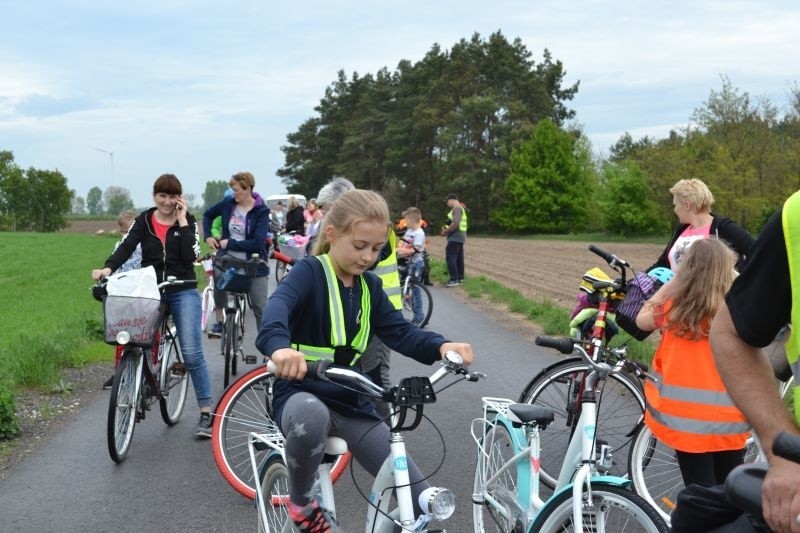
(108, 383)
(204, 426)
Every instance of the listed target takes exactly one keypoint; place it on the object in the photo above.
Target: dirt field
(550, 269)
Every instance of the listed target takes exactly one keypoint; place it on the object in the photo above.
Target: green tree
(94, 201)
(626, 204)
(117, 199)
(549, 182)
(215, 191)
(78, 204)
(49, 200)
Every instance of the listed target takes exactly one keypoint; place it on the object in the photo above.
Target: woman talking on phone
(171, 243)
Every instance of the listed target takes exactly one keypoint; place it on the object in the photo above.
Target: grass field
(51, 320)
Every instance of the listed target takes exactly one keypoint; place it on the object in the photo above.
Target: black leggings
(708, 468)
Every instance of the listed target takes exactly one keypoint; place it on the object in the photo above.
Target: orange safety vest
(689, 408)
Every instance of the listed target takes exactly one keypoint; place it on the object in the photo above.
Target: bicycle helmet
(661, 274)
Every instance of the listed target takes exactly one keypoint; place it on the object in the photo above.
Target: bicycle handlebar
(787, 445)
(608, 257)
(568, 346)
(452, 363)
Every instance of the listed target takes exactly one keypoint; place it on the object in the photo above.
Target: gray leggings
(258, 295)
(306, 422)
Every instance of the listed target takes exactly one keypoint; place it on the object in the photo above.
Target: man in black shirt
(756, 308)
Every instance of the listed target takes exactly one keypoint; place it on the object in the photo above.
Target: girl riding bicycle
(329, 307)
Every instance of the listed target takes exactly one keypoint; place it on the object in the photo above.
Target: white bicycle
(506, 496)
(409, 396)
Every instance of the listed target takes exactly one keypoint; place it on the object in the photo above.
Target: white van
(273, 200)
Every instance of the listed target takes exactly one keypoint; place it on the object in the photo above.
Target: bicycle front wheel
(125, 396)
(611, 510)
(173, 379)
(275, 488)
(280, 271)
(426, 305)
(242, 409)
(207, 307)
(619, 412)
(229, 347)
(494, 504)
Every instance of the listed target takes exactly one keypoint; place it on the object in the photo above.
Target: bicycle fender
(600, 481)
(523, 466)
(547, 369)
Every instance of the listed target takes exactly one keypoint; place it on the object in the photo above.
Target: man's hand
(781, 496)
(464, 350)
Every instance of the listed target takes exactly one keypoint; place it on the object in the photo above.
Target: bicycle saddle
(523, 413)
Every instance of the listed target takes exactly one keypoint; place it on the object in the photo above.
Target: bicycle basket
(138, 316)
(295, 252)
(237, 274)
(640, 289)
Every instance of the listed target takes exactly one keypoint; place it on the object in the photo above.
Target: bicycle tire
(275, 488)
(173, 378)
(242, 408)
(655, 474)
(228, 343)
(207, 307)
(280, 271)
(123, 403)
(620, 410)
(499, 447)
(427, 302)
(238, 337)
(623, 512)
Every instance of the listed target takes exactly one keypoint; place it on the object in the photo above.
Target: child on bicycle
(124, 223)
(298, 325)
(413, 250)
(689, 408)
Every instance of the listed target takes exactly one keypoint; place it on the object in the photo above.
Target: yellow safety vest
(389, 273)
(338, 330)
(462, 224)
(791, 235)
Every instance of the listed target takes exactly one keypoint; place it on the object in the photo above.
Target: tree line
(486, 121)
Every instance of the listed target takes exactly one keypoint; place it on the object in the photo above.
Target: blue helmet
(661, 274)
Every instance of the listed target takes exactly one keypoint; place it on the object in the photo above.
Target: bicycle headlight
(123, 337)
(438, 502)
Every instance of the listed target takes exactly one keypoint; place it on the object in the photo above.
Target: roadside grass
(551, 317)
(587, 237)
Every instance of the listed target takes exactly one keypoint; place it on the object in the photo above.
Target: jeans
(186, 310)
(454, 256)
(416, 293)
(258, 295)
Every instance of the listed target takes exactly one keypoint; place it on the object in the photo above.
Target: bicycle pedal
(250, 359)
(178, 369)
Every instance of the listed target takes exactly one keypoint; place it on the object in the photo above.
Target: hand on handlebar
(464, 350)
(101, 273)
(781, 495)
(289, 364)
(212, 243)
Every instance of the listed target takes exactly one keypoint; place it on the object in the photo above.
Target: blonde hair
(695, 193)
(293, 203)
(350, 208)
(125, 219)
(706, 273)
(244, 179)
(412, 213)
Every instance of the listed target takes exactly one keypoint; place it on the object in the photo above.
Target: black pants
(710, 468)
(706, 509)
(454, 256)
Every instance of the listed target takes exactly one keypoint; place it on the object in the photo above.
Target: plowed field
(537, 269)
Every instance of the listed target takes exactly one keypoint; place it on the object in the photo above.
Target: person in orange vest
(689, 408)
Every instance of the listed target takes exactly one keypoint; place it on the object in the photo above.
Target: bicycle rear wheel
(125, 397)
(173, 378)
(620, 510)
(619, 412)
(280, 271)
(495, 507)
(425, 297)
(229, 346)
(243, 408)
(275, 488)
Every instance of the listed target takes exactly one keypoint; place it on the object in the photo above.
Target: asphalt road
(169, 481)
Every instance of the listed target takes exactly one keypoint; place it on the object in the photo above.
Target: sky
(118, 93)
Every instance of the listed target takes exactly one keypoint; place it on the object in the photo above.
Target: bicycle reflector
(123, 337)
(438, 502)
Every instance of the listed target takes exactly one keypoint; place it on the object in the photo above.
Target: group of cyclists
(339, 305)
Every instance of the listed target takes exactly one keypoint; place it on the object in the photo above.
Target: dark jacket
(256, 229)
(298, 312)
(722, 228)
(175, 258)
(296, 221)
